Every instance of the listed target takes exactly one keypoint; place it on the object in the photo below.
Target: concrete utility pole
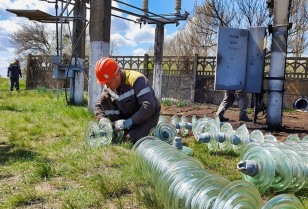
(277, 65)
(159, 40)
(79, 37)
(158, 53)
(100, 18)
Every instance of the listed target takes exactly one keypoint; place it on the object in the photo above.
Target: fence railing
(39, 68)
(296, 67)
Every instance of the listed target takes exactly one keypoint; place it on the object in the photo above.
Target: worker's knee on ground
(137, 133)
(142, 130)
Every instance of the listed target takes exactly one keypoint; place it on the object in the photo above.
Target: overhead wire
(155, 15)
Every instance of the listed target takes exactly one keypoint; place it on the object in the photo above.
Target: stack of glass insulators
(167, 132)
(182, 182)
(102, 134)
(284, 201)
(217, 135)
(164, 130)
(280, 166)
(221, 136)
(181, 124)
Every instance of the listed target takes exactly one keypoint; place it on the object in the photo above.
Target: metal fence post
(194, 77)
(28, 76)
(145, 65)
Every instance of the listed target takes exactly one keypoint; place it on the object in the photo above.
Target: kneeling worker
(128, 100)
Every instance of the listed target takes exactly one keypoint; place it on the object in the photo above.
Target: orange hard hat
(105, 70)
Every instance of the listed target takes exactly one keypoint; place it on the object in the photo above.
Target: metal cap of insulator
(204, 138)
(177, 142)
(236, 140)
(248, 167)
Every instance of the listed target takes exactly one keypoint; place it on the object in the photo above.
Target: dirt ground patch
(294, 122)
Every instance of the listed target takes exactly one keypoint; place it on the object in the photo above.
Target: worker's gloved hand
(123, 124)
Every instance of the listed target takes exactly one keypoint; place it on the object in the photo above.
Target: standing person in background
(128, 100)
(228, 100)
(14, 73)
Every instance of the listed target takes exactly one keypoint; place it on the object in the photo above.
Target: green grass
(45, 163)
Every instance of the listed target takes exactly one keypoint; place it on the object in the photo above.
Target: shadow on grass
(226, 154)
(302, 193)
(287, 129)
(14, 108)
(6, 176)
(10, 154)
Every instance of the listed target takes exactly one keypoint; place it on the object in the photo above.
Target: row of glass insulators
(281, 166)
(217, 135)
(182, 182)
(205, 130)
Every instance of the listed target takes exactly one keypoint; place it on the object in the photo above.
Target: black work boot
(245, 118)
(223, 119)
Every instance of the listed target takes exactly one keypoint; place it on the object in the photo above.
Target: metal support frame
(159, 20)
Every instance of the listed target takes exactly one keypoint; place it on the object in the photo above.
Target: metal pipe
(277, 65)
(301, 103)
(65, 7)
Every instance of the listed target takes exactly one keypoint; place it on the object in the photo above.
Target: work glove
(123, 124)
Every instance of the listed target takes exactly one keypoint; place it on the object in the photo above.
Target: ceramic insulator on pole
(145, 7)
(177, 8)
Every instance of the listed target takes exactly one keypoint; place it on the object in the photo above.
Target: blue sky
(132, 39)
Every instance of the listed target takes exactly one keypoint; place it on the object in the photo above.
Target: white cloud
(121, 40)
(145, 34)
(139, 52)
(115, 4)
(29, 4)
(119, 25)
(5, 58)
(8, 26)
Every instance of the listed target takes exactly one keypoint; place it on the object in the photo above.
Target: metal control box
(231, 59)
(58, 73)
(240, 59)
(255, 60)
